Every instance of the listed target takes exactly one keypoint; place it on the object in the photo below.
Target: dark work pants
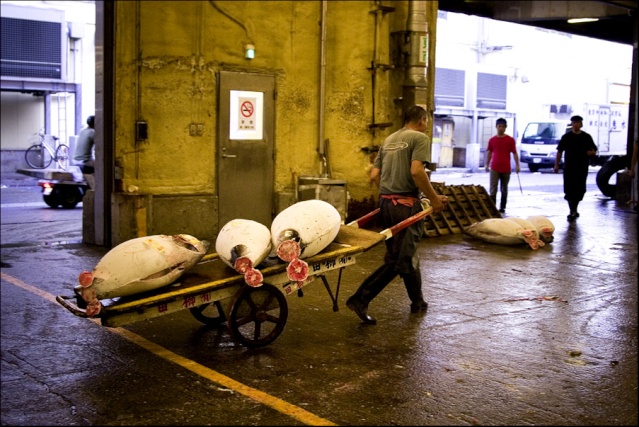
(401, 254)
(501, 180)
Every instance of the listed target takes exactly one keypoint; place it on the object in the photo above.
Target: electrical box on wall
(141, 131)
(196, 129)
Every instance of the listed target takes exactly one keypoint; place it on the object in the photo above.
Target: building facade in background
(488, 69)
(48, 72)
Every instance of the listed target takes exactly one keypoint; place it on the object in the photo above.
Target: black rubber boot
(413, 283)
(573, 211)
(368, 290)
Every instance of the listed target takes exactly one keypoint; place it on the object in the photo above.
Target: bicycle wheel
(62, 156)
(38, 157)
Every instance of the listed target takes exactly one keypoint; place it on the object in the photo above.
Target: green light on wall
(249, 51)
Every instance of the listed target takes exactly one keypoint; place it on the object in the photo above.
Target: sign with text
(247, 115)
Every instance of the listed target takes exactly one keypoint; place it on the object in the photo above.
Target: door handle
(227, 155)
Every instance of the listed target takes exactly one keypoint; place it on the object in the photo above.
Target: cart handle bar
(391, 231)
(359, 222)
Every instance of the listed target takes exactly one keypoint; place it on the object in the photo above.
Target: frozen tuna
(243, 244)
(527, 225)
(140, 265)
(545, 227)
(501, 231)
(303, 230)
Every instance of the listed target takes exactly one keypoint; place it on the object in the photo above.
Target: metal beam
(37, 86)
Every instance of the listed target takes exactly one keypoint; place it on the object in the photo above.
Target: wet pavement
(513, 336)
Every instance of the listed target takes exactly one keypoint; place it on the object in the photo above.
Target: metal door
(446, 153)
(245, 153)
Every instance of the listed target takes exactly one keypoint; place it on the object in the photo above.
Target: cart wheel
(210, 314)
(258, 315)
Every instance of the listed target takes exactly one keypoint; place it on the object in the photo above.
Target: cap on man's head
(501, 121)
(576, 119)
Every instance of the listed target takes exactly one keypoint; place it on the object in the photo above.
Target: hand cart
(215, 293)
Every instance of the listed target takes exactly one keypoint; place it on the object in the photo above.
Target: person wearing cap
(578, 147)
(498, 153)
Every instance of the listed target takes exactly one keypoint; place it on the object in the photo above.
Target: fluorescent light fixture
(580, 20)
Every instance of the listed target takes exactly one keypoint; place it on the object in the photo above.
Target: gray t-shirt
(395, 157)
(84, 145)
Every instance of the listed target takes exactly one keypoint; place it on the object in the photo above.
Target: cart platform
(211, 281)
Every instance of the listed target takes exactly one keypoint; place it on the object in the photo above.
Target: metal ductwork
(414, 88)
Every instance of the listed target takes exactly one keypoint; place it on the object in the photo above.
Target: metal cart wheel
(210, 314)
(258, 315)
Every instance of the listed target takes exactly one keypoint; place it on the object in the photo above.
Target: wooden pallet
(466, 205)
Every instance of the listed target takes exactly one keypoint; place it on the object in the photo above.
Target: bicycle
(40, 155)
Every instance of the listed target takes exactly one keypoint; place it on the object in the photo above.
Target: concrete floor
(512, 337)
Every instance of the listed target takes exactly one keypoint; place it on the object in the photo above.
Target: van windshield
(548, 132)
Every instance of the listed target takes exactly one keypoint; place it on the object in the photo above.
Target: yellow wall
(167, 54)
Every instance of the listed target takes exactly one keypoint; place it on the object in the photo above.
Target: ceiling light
(580, 20)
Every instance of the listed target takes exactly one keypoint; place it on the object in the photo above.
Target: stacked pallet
(466, 205)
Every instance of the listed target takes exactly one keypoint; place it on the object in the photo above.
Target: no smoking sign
(247, 112)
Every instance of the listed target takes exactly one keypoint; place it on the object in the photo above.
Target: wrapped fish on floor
(139, 265)
(545, 227)
(303, 230)
(527, 225)
(500, 231)
(243, 244)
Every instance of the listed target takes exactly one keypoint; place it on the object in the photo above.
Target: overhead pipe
(321, 147)
(415, 84)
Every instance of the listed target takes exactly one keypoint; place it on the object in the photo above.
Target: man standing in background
(498, 162)
(579, 147)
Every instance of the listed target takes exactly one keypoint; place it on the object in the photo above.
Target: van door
(245, 148)
(603, 125)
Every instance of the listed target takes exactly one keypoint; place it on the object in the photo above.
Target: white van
(538, 147)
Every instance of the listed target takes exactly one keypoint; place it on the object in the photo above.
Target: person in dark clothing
(399, 173)
(579, 147)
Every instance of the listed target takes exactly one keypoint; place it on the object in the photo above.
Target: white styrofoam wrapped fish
(140, 265)
(243, 244)
(545, 227)
(303, 230)
(500, 231)
(527, 225)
